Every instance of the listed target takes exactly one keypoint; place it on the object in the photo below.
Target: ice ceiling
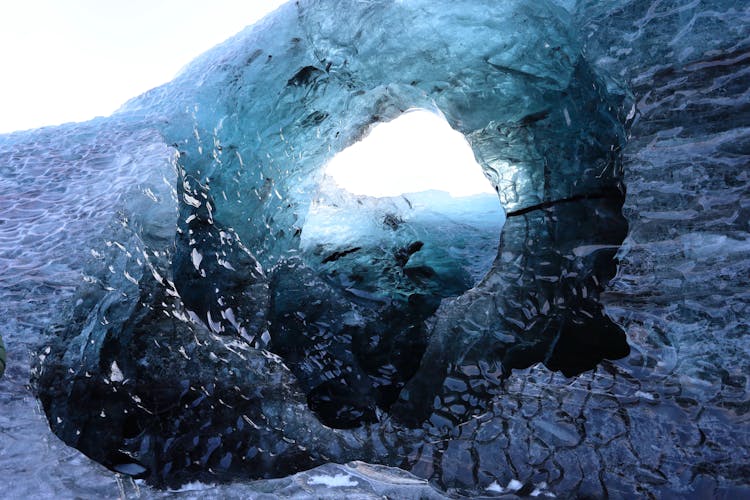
(225, 331)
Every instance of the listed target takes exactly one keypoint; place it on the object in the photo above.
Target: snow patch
(337, 481)
(644, 395)
(115, 373)
(193, 486)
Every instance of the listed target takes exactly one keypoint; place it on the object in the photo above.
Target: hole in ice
(412, 180)
(401, 221)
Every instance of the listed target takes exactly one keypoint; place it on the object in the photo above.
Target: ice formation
(213, 339)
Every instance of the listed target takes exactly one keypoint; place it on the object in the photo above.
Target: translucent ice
(213, 312)
(376, 306)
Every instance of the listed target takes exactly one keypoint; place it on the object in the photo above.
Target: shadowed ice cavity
(390, 256)
(218, 355)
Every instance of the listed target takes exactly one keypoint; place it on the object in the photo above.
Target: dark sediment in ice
(209, 344)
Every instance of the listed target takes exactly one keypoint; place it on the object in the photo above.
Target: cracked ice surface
(223, 160)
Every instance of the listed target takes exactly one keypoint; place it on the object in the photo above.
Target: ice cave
(198, 302)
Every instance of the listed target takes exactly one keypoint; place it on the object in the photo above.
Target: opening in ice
(412, 182)
(400, 221)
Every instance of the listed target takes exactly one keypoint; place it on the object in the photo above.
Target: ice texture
(156, 268)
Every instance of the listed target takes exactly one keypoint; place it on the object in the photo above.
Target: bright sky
(72, 60)
(418, 151)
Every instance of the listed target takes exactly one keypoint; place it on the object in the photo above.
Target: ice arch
(252, 123)
(284, 97)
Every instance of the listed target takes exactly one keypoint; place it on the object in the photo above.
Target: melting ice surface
(186, 326)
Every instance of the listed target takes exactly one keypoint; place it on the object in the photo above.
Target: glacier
(193, 310)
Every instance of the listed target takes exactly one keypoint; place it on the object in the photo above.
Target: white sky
(418, 151)
(72, 60)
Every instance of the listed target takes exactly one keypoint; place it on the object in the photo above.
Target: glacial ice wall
(206, 343)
